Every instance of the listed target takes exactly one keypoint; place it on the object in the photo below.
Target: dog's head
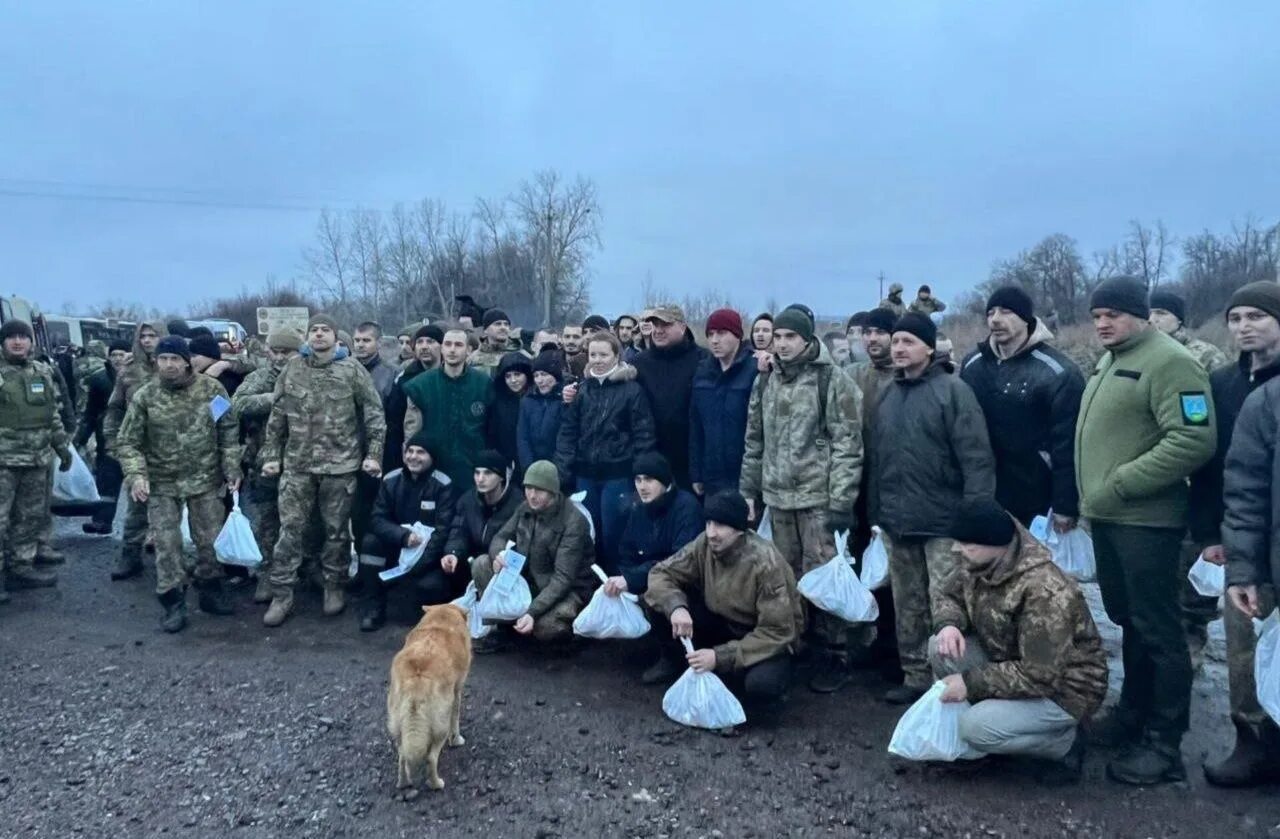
(445, 614)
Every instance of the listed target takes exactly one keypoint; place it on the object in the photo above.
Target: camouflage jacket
(170, 437)
(85, 367)
(799, 454)
(486, 360)
(138, 372)
(1035, 627)
(319, 409)
(252, 403)
(751, 586)
(556, 543)
(927, 306)
(871, 379)
(894, 304)
(30, 425)
(1209, 356)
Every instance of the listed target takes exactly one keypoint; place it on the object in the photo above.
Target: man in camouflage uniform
(179, 449)
(493, 343)
(1168, 314)
(1014, 637)
(894, 301)
(91, 362)
(326, 423)
(140, 370)
(29, 428)
(803, 458)
(925, 303)
(252, 403)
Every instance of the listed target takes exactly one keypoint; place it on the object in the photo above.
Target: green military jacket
(871, 379)
(252, 403)
(927, 306)
(799, 456)
(320, 407)
(1209, 356)
(557, 545)
(170, 437)
(30, 425)
(138, 372)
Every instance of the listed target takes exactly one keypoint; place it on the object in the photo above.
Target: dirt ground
(110, 727)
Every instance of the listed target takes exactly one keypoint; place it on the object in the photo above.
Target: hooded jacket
(539, 426)
(557, 545)
(930, 452)
(406, 499)
(798, 455)
(97, 393)
(1030, 401)
(140, 370)
(607, 425)
(666, 374)
(504, 411)
(1251, 524)
(718, 420)
(1034, 625)
(751, 586)
(475, 522)
(655, 531)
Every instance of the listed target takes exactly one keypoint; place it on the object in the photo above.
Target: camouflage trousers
(264, 516)
(556, 624)
(1241, 644)
(302, 496)
(1198, 611)
(135, 521)
(805, 541)
(206, 514)
(24, 508)
(918, 573)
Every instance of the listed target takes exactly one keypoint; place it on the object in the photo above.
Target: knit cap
(1123, 294)
(920, 326)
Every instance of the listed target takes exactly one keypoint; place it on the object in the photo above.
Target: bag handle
(604, 578)
(688, 645)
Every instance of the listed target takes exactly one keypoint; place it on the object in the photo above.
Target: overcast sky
(788, 150)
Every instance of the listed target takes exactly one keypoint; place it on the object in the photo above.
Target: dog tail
(424, 723)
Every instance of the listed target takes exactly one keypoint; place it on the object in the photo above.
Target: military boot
(1068, 770)
(335, 600)
(1116, 728)
(663, 671)
(1155, 760)
(1250, 764)
(26, 578)
(129, 564)
(278, 611)
(375, 612)
(174, 602)
(832, 674)
(903, 694)
(262, 594)
(213, 598)
(49, 555)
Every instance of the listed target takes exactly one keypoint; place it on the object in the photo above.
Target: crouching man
(1016, 639)
(477, 517)
(553, 536)
(734, 595)
(417, 494)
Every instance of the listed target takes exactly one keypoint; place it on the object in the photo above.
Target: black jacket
(666, 374)
(383, 375)
(404, 499)
(395, 405)
(1251, 524)
(607, 425)
(1230, 386)
(475, 523)
(718, 420)
(656, 531)
(504, 412)
(930, 453)
(99, 385)
(539, 426)
(1030, 402)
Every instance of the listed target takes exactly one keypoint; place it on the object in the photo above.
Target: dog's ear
(424, 609)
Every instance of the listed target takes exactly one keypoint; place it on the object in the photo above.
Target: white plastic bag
(507, 597)
(467, 602)
(1266, 665)
(75, 485)
(930, 730)
(834, 588)
(578, 499)
(409, 556)
(235, 544)
(187, 543)
(701, 700)
(765, 530)
(875, 562)
(1072, 551)
(1208, 578)
(610, 617)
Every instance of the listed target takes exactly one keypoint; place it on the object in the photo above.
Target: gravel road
(110, 727)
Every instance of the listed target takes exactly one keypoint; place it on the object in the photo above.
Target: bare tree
(564, 222)
(1144, 253)
(328, 259)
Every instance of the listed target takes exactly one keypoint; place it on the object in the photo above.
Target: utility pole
(881, 286)
(548, 279)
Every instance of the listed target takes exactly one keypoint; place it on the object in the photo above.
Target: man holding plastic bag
(735, 596)
(417, 494)
(30, 430)
(553, 536)
(1014, 637)
(179, 449)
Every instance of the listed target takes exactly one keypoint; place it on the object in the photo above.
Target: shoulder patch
(442, 478)
(1195, 408)
(392, 474)
(1048, 361)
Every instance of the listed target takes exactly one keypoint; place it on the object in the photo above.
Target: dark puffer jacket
(539, 425)
(1030, 401)
(606, 426)
(666, 374)
(475, 522)
(931, 452)
(404, 499)
(718, 420)
(1251, 526)
(654, 532)
(504, 411)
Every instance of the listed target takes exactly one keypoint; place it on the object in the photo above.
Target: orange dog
(425, 698)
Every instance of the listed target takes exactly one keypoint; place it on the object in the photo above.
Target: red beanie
(726, 320)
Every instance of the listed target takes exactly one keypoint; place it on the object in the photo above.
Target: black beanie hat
(196, 332)
(596, 322)
(982, 521)
(12, 328)
(205, 346)
(1171, 303)
(1264, 295)
(920, 326)
(882, 319)
(491, 460)
(549, 362)
(727, 507)
(653, 465)
(431, 331)
(1015, 300)
(179, 327)
(1123, 294)
(122, 346)
(857, 319)
(173, 345)
(493, 316)
(422, 440)
(795, 320)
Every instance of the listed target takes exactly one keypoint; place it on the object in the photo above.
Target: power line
(179, 196)
(138, 199)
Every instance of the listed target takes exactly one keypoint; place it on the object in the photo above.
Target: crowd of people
(467, 446)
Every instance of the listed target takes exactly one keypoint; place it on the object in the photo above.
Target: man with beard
(493, 343)
(575, 358)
